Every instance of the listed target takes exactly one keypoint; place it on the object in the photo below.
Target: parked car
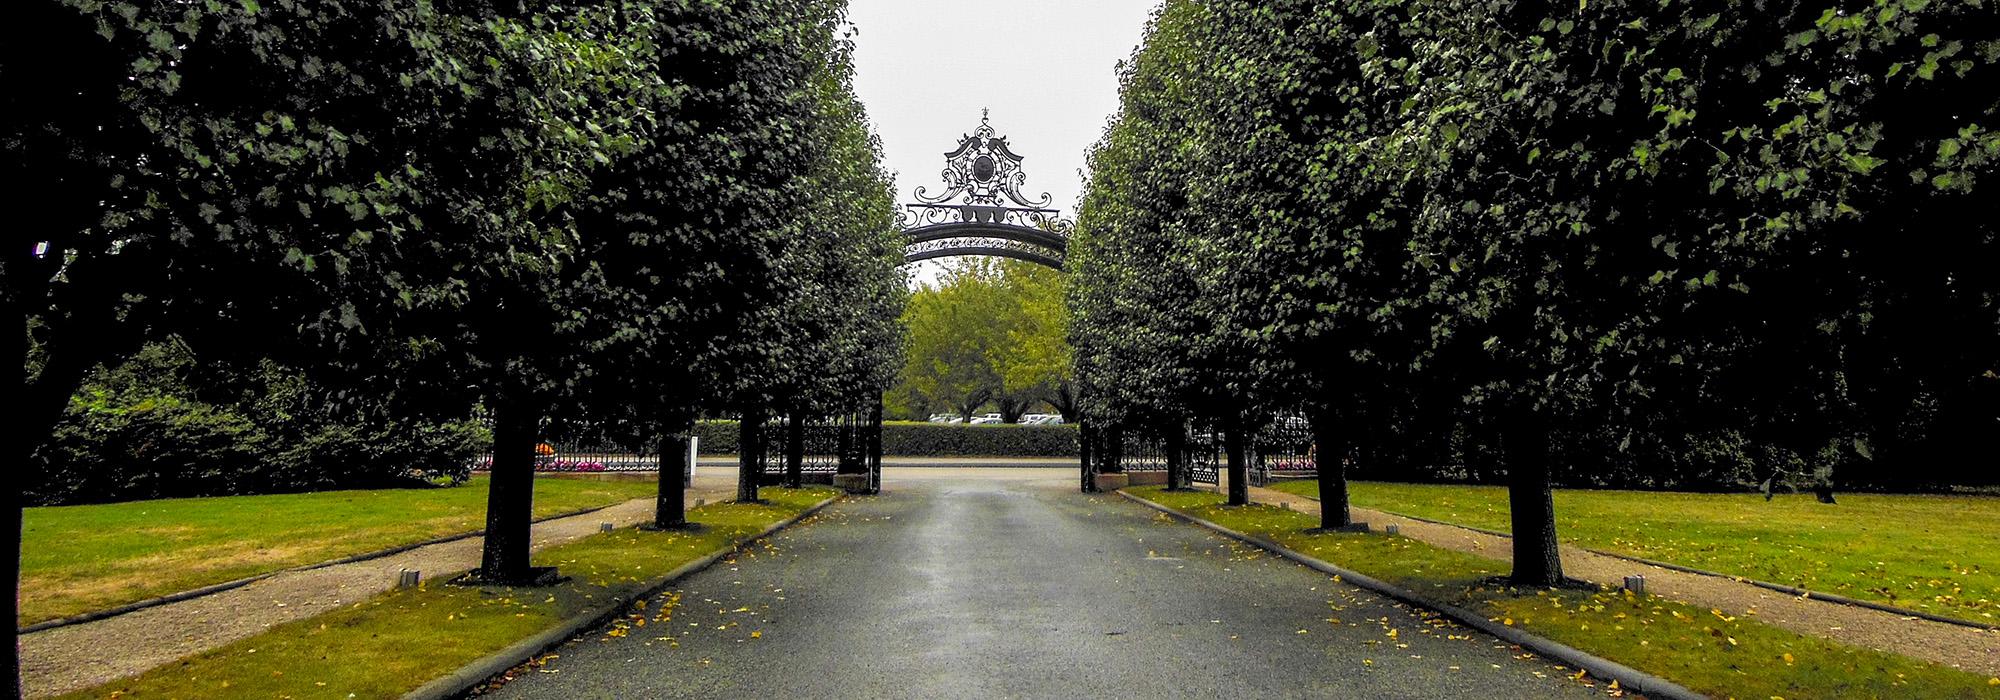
(945, 418)
(986, 418)
(1042, 419)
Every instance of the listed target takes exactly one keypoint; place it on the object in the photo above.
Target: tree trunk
(13, 554)
(670, 508)
(795, 451)
(749, 454)
(1239, 464)
(875, 445)
(74, 345)
(1011, 409)
(1086, 438)
(1177, 458)
(510, 496)
(1114, 450)
(1531, 499)
(23, 436)
(1064, 401)
(23, 446)
(1330, 463)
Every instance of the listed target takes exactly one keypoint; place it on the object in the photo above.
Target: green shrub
(960, 440)
(161, 427)
(718, 437)
(914, 439)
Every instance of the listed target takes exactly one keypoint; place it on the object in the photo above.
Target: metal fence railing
(585, 458)
(1279, 449)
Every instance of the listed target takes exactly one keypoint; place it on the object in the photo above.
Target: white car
(985, 418)
(945, 418)
(1042, 419)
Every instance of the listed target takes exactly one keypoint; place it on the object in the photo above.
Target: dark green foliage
(1690, 248)
(990, 330)
(1623, 242)
(158, 427)
(562, 212)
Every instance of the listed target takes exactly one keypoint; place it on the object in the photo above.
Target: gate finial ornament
(983, 171)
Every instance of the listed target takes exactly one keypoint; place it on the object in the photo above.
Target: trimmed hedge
(914, 439)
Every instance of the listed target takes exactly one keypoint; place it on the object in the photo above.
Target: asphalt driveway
(1009, 583)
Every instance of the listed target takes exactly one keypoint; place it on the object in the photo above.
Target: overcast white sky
(1045, 67)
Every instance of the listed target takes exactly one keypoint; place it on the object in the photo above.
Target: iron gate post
(1239, 468)
(795, 449)
(749, 453)
(875, 445)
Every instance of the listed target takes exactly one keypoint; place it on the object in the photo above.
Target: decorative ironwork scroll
(982, 210)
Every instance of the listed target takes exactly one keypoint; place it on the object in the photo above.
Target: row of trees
(597, 213)
(990, 330)
(1625, 241)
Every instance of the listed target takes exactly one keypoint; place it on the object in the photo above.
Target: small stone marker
(1393, 529)
(606, 527)
(408, 578)
(1636, 584)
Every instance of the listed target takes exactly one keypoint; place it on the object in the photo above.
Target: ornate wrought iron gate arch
(982, 211)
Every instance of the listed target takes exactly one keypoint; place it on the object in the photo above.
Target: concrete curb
(1628, 678)
(191, 594)
(1779, 587)
(458, 682)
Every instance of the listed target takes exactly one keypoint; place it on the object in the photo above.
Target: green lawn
(1931, 553)
(76, 559)
(1702, 649)
(391, 644)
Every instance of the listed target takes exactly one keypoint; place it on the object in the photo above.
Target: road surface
(1010, 583)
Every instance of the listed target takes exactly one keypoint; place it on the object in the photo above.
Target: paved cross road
(1012, 584)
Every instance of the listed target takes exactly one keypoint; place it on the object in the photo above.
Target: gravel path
(1957, 646)
(70, 658)
(1010, 583)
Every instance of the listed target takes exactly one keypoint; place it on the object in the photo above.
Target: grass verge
(391, 644)
(1701, 649)
(1929, 553)
(76, 559)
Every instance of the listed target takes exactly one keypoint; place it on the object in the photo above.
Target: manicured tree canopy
(683, 236)
(1665, 221)
(1315, 239)
(320, 182)
(1169, 287)
(1141, 349)
(823, 336)
(1657, 236)
(851, 285)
